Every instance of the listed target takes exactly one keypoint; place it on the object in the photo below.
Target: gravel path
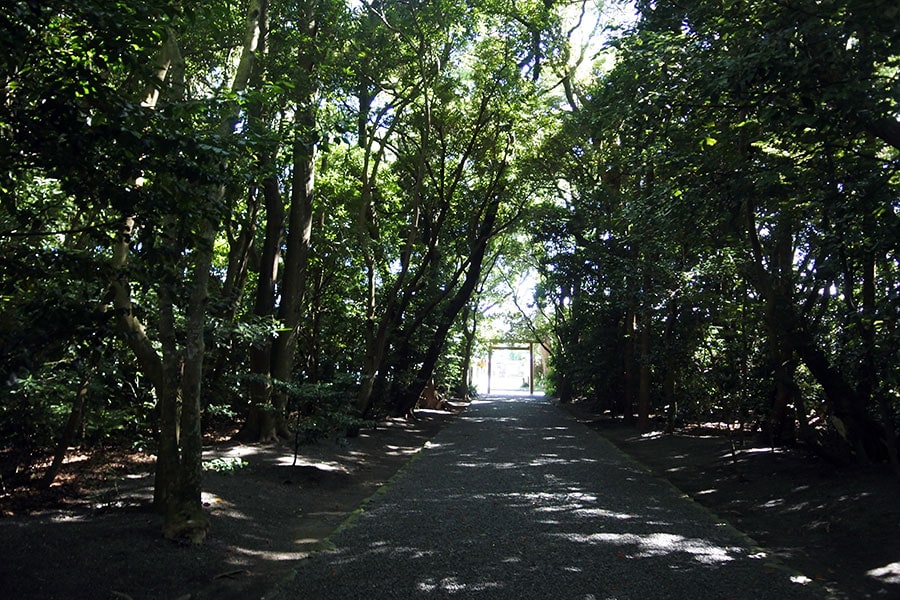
(515, 500)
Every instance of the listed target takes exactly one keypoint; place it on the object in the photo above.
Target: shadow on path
(516, 500)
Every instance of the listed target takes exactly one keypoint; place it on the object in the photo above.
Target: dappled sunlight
(546, 460)
(522, 501)
(491, 419)
(67, 517)
(235, 451)
(402, 450)
(603, 513)
(482, 465)
(270, 555)
(540, 461)
(222, 507)
(889, 573)
(658, 544)
(384, 548)
(322, 465)
(432, 411)
(453, 585)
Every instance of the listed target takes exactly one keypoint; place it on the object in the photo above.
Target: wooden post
(531, 369)
(490, 358)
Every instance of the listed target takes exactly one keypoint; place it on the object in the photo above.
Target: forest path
(515, 499)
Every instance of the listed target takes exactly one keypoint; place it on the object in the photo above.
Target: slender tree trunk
(644, 374)
(73, 423)
(462, 387)
(260, 423)
(869, 372)
(626, 402)
(670, 361)
(848, 410)
(240, 248)
(293, 289)
(380, 337)
(128, 324)
(273, 366)
(185, 517)
(785, 397)
(375, 334)
(177, 373)
(313, 352)
(165, 488)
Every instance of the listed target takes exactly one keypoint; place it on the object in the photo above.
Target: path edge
(753, 546)
(327, 544)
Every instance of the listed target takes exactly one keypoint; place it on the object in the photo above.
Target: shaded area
(839, 525)
(106, 542)
(515, 500)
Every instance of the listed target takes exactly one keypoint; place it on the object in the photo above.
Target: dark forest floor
(93, 535)
(838, 525)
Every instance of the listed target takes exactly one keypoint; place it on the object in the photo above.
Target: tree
(273, 362)
(739, 142)
(160, 183)
(452, 131)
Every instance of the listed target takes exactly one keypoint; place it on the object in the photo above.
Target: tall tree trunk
(76, 418)
(644, 387)
(240, 247)
(626, 401)
(260, 423)
(176, 374)
(380, 333)
(293, 287)
(375, 333)
(462, 386)
(184, 514)
(312, 354)
(273, 365)
(848, 410)
(670, 399)
(867, 386)
(781, 422)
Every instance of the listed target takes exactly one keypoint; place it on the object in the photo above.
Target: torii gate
(529, 347)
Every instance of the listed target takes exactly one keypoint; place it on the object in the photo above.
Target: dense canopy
(294, 215)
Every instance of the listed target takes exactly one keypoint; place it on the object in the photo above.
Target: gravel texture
(517, 500)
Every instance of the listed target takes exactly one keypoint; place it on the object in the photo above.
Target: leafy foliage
(295, 214)
(711, 181)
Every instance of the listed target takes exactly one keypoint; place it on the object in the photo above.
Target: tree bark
(670, 362)
(185, 518)
(260, 424)
(781, 423)
(76, 418)
(626, 402)
(462, 387)
(273, 366)
(177, 374)
(293, 289)
(240, 248)
(644, 374)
